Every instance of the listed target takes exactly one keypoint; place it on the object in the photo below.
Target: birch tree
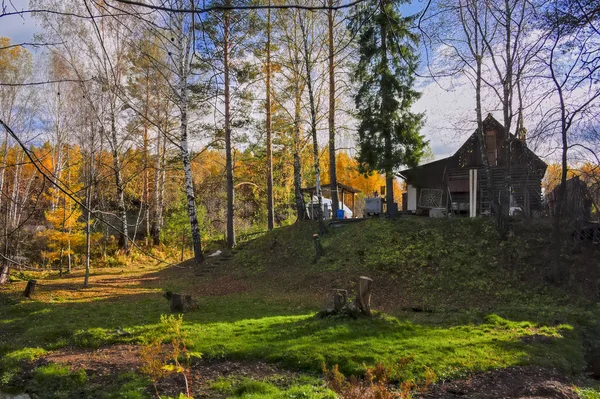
(182, 28)
(310, 54)
(289, 39)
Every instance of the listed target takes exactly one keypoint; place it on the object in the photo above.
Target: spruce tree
(388, 132)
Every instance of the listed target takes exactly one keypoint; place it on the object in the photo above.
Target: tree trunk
(123, 238)
(4, 272)
(189, 181)
(5, 264)
(228, 150)
(270, 202)
(183, 74)
(146, 189)
(389, 172)
(300, 209)
(70, 210)
(57, 152)
(364, 295)
(298, 89)
(483, 143)
(560, 270)
(503, 221)
(313, 129)
(3, 165)
(477, 53)
(159, 177)
(29, 289)
(14, 198)
(88, 233)
(331, 120)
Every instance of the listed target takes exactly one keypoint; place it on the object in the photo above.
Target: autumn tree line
(169, 128)
(132, 125)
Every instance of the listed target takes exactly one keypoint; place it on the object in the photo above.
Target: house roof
(441, 164)
(326, 187)
(435, 165)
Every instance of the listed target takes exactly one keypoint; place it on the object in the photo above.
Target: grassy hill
(451, 299)
(431, 263)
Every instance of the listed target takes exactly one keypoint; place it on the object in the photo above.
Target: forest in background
(169, 126)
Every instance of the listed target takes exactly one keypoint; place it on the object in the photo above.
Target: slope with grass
(451, 299)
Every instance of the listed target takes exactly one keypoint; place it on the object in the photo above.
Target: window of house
(492, 150)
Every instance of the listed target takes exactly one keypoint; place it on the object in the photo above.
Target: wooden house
(459, 184)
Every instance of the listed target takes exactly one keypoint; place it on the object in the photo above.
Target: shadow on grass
(248, 326)
(303, 342)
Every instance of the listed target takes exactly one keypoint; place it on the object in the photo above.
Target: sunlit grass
(245, 327)
(481, 311)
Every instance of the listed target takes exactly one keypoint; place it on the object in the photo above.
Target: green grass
(303, 342)
(54, 381)
(588, 393)
(485, 297)
(306, 388)
(243, 328)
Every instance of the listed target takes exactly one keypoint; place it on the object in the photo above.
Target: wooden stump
(363, 298)
(177, 303)
(339, 298)
(338, 304)
(318, 247)
(30, 288)
(180, 302)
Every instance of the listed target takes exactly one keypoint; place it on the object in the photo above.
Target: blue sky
(22, 28)
(19, 28)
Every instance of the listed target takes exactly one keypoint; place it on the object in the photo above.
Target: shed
(343, 192)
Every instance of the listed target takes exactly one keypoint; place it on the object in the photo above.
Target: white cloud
(19, 28)
(449, 106)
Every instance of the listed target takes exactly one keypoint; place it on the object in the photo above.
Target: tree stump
(30, 288)
(180, 302)
(318, 247)
(176, 303)
(340, 299)
(363, 298)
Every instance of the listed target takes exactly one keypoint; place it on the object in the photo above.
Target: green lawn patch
(487, 307)
(306, 388)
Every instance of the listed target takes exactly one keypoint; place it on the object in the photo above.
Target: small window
(492, 150)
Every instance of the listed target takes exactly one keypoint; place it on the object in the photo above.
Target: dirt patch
(221, 285)
(513, 383)
(108, 362)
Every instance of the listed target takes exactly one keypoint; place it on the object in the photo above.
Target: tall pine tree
(388, 133)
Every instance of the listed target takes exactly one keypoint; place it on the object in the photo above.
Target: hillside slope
(441, 264)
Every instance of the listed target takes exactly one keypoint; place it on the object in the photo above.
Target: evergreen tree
(388, 133)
